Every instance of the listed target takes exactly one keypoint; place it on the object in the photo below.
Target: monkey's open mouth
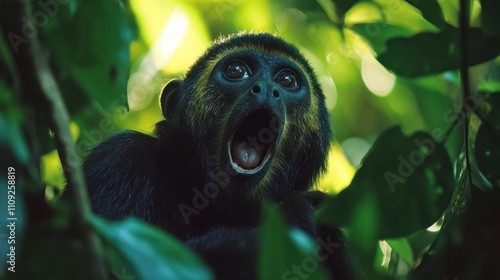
(252, 143)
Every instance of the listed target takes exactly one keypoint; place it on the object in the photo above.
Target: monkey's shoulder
(126, 149)
(122, 171)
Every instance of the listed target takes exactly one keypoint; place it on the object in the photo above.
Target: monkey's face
(258, 111)
(259, 89)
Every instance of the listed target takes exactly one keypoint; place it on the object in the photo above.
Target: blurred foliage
(406, 192)
(410, 211)
(145, 249)
(284, 249)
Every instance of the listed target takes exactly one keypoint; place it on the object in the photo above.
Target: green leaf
(487, 148)
(378, 33)
(52, 256)
(382, 257)
(431, 53)
(342, 6)
(427, 91)
(11, 119)
(361, 237)
(47, 249)
(490, 21)
(403, 248)
(93, 45)
(6, 61)
(285, 251)
(461, 192)
(152, 253)
(11, 112)
(478, 177)
(407, 180)
(489, 86)
(431, 11)
(467, 248)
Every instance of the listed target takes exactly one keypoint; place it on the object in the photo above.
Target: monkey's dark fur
(199, 179)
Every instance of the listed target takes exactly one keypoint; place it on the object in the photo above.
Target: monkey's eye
(287, 79)
(235, 70)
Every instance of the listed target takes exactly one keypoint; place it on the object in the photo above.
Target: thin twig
(464, 75)
(458, 119)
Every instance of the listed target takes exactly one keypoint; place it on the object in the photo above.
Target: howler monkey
(247, 124)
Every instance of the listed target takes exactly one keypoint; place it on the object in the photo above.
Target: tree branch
(48, 90)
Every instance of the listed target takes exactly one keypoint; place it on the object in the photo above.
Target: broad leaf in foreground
(284, 250)
(404, 185)
(153, 254)
(430, 53)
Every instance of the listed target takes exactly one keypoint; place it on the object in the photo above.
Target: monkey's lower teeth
(245, 155)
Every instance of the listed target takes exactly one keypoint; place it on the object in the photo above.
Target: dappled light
(339, 174)
(139, 89)
(376, 77)
(355, 149)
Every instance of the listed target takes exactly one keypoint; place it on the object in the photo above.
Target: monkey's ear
(169, 97)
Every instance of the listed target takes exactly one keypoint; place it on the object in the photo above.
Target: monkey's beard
(252, 144)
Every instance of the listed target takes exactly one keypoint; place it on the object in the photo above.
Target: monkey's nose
(265, 89)
(256, 89)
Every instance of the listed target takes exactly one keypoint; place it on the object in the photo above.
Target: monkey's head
(254, 106)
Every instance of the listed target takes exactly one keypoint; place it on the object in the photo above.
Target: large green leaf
(93, 46)
(403, 248)
(404, 182)
(11, 112)
(489, 86)
(467, 247)
(152, 253)
(342, 6)
(487, 148)
(378, 33)
(478, 178)
(431, 11)
(287, 253)
(430, 53)
(490, 20)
